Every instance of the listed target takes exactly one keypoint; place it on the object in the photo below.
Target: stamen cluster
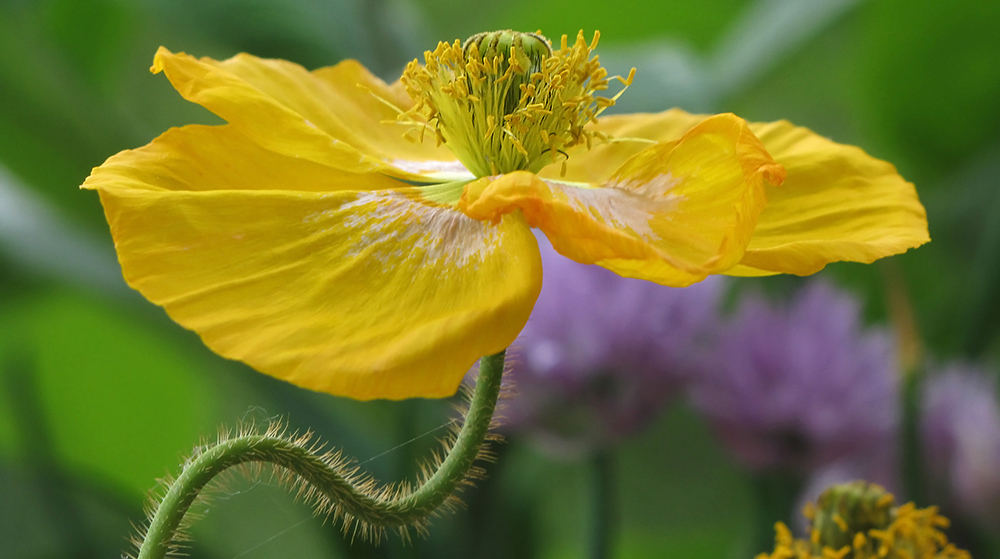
(504, 101)
(858, 521)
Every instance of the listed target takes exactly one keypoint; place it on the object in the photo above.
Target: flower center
(848, 509)
(504, 101)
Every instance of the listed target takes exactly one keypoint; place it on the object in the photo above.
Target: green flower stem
(913, 474)
(776, 493)
(470, 439)
(605, 510)
(353, 501)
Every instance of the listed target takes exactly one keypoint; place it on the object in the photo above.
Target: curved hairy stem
(329, 481)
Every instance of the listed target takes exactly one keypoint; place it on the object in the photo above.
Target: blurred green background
(101, 394)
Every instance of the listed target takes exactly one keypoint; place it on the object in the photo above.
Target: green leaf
(119, 402)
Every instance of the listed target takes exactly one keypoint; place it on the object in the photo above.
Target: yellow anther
(515, 141)
(860, 541)
(491, 126)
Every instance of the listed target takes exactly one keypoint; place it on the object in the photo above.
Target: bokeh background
(101, 394)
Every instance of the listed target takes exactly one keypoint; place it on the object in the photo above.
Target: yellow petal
(358, 106)
(222, 158)
(672, 213)
(367, 294)
(838, 203)
(631, 134)
(331, 116)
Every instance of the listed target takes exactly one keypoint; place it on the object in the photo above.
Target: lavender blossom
(601, 353)
(960, 428)
(803, 386)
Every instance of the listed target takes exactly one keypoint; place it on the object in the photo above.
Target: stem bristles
(335, 486)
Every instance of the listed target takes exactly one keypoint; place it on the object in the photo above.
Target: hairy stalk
(331, 483)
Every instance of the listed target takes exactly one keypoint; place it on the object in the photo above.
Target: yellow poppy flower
(373, 240)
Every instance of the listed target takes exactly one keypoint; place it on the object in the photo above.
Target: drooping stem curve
(328, 483)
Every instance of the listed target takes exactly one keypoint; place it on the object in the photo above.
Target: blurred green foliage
(699, 23)
(122, 415)
(101, 393)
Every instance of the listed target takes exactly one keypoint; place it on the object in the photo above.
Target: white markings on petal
(394, 227)
(628, 205)
(443, 170)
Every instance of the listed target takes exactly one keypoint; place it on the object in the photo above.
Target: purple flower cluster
(601, 353)
(960, 425)
(800, 387)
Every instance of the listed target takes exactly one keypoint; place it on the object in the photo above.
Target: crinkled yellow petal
(331, 116)
(673, 213)
(837, 203)
(367, 294)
